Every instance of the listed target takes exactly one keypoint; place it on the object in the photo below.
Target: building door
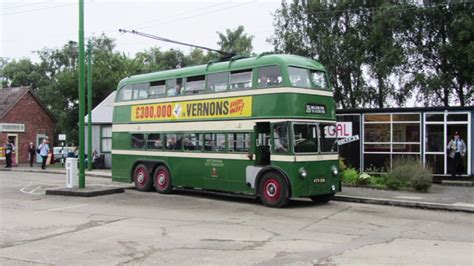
(39, 140)
(439, 130)
(462, 129)
(14, 138)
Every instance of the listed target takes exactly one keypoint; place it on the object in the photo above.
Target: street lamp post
(89, 106)
(82, 181)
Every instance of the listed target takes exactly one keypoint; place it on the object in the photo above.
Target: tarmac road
(192, 228)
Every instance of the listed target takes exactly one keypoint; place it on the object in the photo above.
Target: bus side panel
(235, 172)
(122, 168)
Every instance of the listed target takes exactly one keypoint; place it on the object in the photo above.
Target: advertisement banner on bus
(199, 109)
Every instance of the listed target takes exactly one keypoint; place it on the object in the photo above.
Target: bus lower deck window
(192, 142)
(154, 142)
(174, 141)
(138, 141)
(238, 142)
(214, 142)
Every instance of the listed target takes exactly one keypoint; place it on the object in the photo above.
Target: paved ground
(438, 193)
(190, 228)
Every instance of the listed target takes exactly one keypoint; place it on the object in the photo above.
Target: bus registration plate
(319, 180)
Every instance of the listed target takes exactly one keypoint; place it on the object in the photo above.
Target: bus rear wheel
(322, 199)
(162, 180)
(141, 178)
(273, 190)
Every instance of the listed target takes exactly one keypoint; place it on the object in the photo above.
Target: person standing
(457, 151)
(44, 151)
(8, 153)
(32, 153)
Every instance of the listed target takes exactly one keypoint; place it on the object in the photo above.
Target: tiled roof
(9, 97)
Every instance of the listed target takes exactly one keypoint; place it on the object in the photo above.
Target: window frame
(105, 138)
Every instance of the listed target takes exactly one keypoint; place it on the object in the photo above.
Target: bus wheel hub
(140, 177)
(161, 180)
(271, 190)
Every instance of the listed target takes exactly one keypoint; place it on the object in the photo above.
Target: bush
(342, 165)
(350, 175)
(363, 179)
(408, 172)
(422, 179)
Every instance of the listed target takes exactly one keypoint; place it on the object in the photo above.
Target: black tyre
(322, 199)
(141, 178)
(162, 180)
(273, 190)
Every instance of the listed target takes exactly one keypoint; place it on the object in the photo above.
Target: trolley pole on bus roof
(82, 181)
(89, 106)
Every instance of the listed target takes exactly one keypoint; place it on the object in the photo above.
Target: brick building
(24, 119)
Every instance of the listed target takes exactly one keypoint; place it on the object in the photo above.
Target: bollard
(71, 172)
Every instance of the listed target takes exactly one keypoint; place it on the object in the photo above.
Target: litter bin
(71, 172)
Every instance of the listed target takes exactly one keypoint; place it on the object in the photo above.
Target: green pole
(89, 106)
(82, 181)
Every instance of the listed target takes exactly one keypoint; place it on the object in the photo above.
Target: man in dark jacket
(8, 153)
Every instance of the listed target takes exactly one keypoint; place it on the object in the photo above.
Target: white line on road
(62, 208)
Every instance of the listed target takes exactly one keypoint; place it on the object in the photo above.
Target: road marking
(26, 189)
(62, 208)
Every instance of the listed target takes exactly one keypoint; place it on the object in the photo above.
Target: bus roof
(261, 60)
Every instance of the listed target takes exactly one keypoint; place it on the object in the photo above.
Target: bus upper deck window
(157, 89)
(299, 77)
(241, 79)
(125, 93)
(218, 81)
(269, 76)
(194, 85)
(319, 79)
(140, 91)
(174, 87)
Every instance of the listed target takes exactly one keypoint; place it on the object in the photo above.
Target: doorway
(39, 140)
(14, 138)
(462, 130)
(262, 145)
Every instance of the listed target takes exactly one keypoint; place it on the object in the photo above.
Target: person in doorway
(456, 151)
(31, 152)
(8, 153)
(44, 151)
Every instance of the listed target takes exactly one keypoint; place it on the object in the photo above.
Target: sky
(29, 25)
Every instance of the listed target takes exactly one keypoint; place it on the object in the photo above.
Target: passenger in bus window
(176, 91)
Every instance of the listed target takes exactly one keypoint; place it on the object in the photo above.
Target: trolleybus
(258, 126)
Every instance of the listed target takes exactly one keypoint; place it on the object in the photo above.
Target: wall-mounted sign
(339, 130)
(8, 127)
(62, 137)
(348, 140)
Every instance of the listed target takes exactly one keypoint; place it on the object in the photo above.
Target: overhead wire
(38, 9)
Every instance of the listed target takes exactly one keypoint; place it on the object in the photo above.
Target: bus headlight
(303, 172)
(334, 171)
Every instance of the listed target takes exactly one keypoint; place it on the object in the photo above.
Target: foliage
(342, 165)
(235, 41)
(380, 52)
(350, 176)
(408, 172)
(363, 179)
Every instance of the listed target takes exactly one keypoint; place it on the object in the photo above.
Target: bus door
(262, 143)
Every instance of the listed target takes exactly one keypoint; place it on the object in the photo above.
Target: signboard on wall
(340, 130)
(9, 127)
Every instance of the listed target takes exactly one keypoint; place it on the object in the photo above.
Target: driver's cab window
(280, 138)
(305, 138)
(328, 138)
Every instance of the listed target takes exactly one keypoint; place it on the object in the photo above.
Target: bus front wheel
(162, 180)
(141, 178)
(273, 190)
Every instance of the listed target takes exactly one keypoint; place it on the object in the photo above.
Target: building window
(106, 139)
(389, 136)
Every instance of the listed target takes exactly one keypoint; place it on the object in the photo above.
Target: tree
(22, 73)
(235, 41)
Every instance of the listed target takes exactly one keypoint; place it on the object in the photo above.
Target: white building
(102, 128)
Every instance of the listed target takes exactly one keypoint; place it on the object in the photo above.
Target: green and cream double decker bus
(261, 126)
